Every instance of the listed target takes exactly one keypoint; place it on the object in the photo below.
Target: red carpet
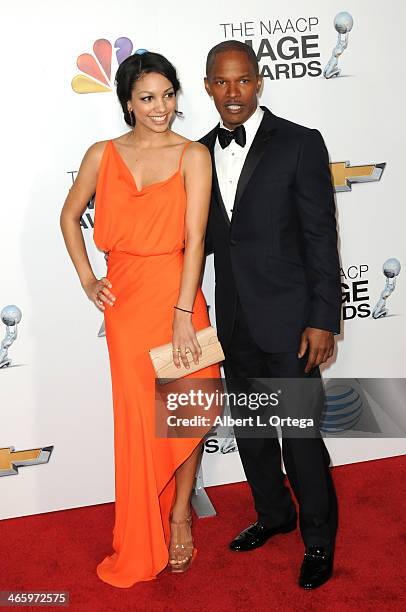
(60, 550)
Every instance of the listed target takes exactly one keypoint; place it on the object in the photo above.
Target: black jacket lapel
(259, 144)
(210, 140)
(257, 149)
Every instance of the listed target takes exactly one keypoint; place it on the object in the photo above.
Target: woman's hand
(97, 291)
(184, 338)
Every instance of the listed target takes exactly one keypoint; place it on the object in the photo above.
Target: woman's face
(153, 101)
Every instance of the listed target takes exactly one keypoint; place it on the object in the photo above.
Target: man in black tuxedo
(272, 229)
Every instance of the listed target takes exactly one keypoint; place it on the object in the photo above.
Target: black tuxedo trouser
(306, 459)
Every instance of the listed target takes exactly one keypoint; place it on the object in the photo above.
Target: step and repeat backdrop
(327, 65)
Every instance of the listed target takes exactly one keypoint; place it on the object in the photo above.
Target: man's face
(234, 85)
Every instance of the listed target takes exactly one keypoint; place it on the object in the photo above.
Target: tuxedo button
(233, 242)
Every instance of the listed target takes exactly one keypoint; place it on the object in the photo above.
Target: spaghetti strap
(182, 154)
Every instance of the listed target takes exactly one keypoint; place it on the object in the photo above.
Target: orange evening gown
(143, 230)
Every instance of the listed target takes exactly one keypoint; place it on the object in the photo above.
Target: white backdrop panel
(57, 391)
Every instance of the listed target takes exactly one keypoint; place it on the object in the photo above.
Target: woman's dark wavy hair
(133, 68)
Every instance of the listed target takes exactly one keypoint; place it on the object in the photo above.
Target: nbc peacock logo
(95, 76)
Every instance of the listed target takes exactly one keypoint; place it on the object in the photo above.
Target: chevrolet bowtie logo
(11, 460)
(344, 174)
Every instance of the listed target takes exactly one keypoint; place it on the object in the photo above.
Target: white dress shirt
(229, 161)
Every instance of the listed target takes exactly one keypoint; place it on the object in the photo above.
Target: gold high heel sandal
(181, 553)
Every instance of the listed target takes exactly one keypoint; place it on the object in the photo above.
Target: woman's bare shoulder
(196, 146)
(197, 152)
(96, 150)
(92, 158)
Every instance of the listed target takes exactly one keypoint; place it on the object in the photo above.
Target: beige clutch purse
(162, 357)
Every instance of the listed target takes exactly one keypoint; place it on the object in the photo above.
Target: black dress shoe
(317, 568)
(257, 534)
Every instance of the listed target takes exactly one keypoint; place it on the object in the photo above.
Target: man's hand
(320, 343)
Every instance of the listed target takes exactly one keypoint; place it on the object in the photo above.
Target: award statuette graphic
(343, 23)
(391, 269)
(10, 315)
(229, 443)
(102, 331)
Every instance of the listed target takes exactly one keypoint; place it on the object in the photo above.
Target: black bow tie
(226, 136)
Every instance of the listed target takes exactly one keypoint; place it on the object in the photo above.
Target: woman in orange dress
(152, 200)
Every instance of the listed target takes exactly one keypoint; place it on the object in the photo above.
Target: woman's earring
(131, 117)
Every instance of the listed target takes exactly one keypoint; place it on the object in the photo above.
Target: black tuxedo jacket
(279, 253)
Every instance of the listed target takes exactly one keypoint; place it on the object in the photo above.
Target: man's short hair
(231, 45)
